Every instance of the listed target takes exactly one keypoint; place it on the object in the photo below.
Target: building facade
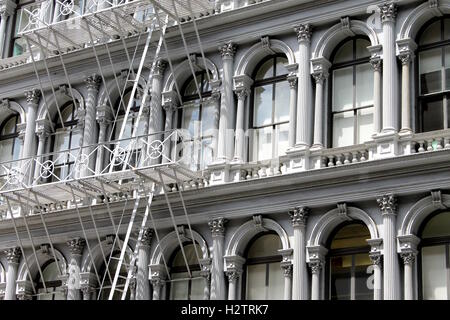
(318, 132)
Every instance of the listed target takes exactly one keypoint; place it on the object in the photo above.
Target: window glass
(447, 67)
(447, 29)
(282, 132)
(340, 274)
(267, 245)
(191, 88)
(281, 66)
(50, 276)
(10, 126)
(263, 144)
(256, 279)
(344, 53)
(191, 120)
(434, 273)
(179, 289)
(352, 235)
(343, 129)
(343, 89)
(265, 71)
(365, 124)
(431, 34)
(362, 272)
(189, 252)
(6, 147)
(430, 65)
(208, 118)
(282, 101)
(276, 282)
(197, 288)
(438, 226)
(263, 105)
(432, 115)
(364, 85)
(361, 48)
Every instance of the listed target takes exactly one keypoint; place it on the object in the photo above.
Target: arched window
(197, 121)
(9, 139)
(50, 275)
(434, 75)
(108, 278)
(270, 112)
(183, 287)
(435, 257)
(66, 137)
(120, 108)
(263, 276)
(348, 264)
(351, 93)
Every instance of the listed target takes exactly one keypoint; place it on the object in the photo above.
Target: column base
(220, 173)
(386, 145)
(298, 159)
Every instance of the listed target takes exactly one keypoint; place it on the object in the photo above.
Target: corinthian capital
(388, 12)
(316, 266)
(304, 32)
(147, 237)
(242, 93)
(227, 50)
(76, 245)
(93, 82)
(13, 255)
(33, 96)
(408, 257)
(217, 227)
(299, 216)
(387, 204)
(160, 66)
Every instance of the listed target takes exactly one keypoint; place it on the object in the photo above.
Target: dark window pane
(363, 270)
(344, 53)
(340, 268)
(361, 48)
(430, 82)
(432, 116)
(431, 34)
(265, 71)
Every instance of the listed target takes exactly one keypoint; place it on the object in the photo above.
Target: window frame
(12, 136)
(340, 252)
(431, 242)
(341, 65)
(14, 37)
(444, 94)
(181, 269)
(195, 101)
(259, 83)
(257, 261)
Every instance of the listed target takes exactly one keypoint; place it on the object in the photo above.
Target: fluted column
(33, 97)
(90, 125)
(376, 259)
(227, 113)
(242, 94)
(218, 288)
(76, 247)
(316, 267)
(42, 132)
(293, 80)
(409, 258)
(169, 109)
(388, 15)
(406, 58)
(304, 107)
(233, 277)
(319, 78)
(103, 125)
(142, 282)
(6, 10)
(388, 208)
(376, 64)
(298, 218)
(206, 274)
(12, 256)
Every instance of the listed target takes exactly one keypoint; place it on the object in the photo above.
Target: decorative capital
(33, 96)
(147, 237)
(242, 93)
(76, 245)
(388, 12)
(376, 258)
(376, 64)
(293, 80)
(217, 227)
(299, 216)
(408, 257)
(304, 32)
(319, 77)
(316, 266)
(13, 255)
(93, 82)
(159, 69)
(233, 275)
(287, 270)
(227, 50)
(157, 281)
(387, 204)
(405, 57)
